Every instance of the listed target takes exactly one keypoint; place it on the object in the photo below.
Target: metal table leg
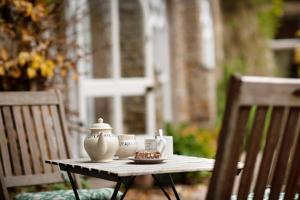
(173, 187)
(161, 187)
(73, 185)
(128, 186)
(117, 188)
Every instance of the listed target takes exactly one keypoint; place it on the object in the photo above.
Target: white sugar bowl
(127, 146)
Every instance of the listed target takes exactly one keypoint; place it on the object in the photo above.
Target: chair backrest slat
(58, 131)
(252, 152)
(12, 140)
(32, 130)
(7, 168)
(32, 139)
(22, 137)
(261, 118)
(63, 124)
(284, 153)
(294, 176)
(49, 132)
(3, 189)
(272, 138)
(36, 111)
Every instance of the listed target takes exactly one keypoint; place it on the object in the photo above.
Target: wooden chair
(265, 111)
(32, 129)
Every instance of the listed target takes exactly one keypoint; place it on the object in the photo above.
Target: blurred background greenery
(194, 141)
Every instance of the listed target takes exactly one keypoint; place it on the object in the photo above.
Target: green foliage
(85, 183)
(268, 18)
(246, 50)
(58, 186)
(192, 141)
(234, 66)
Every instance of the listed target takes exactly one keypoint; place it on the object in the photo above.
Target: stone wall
(193, 86)
(131, 38)
(101, 38)
(132, 58)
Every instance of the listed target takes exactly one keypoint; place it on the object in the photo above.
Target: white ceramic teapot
(101, 145)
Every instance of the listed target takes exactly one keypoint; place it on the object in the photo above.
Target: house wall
(132, 58)
(193, 86)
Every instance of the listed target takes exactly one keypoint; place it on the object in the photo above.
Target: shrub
(193, 141)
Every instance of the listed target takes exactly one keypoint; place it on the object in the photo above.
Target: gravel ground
(137, 192)
(195, 192)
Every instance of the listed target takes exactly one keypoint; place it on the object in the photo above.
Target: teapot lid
(101, 125)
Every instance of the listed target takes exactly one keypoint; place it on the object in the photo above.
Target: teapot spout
(102, 144)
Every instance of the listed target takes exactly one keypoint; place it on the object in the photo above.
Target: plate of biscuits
(147, 157)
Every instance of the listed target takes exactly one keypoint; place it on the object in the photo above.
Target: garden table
(125, 171)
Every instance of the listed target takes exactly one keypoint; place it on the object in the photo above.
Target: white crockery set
(102, 145)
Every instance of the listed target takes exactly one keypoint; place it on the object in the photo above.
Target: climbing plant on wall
(33, 44)
(248, 27)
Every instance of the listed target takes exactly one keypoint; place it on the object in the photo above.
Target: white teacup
(157, 144)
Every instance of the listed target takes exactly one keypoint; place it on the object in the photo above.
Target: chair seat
(91, 194)
(266, 195)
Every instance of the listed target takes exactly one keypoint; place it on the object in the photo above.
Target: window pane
(134, 115)
(101, 38)
(99, 107)
(131, 38)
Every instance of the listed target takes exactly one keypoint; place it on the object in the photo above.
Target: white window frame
(207, 42)
(161, 53)
(117, 87)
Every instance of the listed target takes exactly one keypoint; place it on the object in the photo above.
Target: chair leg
(73, 185)
(161, 187)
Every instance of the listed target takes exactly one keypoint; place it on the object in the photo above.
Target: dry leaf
(4, 54)
(63, 72)
(2, 70)
(31, 73)
(15, 72)
(75, 77)
(23, 58)
(60, 59)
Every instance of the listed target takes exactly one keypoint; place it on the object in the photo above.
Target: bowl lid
(101, 125)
